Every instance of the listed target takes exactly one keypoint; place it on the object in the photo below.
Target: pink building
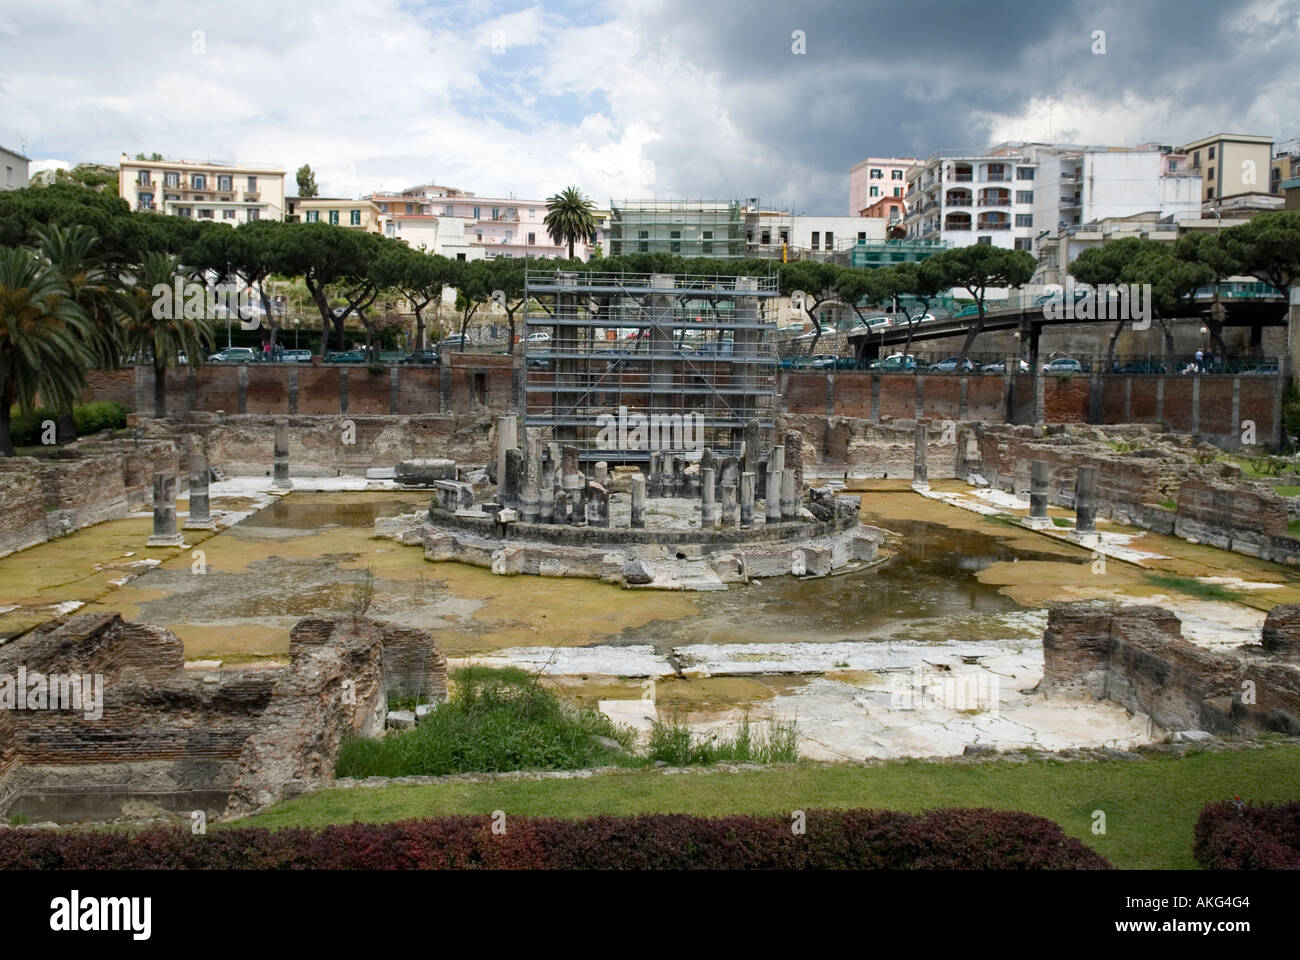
(496, 227)
(876, 179)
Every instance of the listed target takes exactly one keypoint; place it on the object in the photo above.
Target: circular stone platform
(671, 552)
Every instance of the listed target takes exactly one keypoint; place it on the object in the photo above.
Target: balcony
(962, 177)
(995, 200)
(145, 184)
(253, 194)
(997, 178)
(146, 205)
(959, 198)
(995, 225)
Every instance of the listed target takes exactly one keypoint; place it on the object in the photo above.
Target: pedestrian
(1200, 359)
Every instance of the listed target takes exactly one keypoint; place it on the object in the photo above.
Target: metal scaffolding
(605, 348)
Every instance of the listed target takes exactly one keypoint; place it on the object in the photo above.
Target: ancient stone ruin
(157, 736)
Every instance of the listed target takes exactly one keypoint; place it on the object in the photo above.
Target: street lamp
(297, 322)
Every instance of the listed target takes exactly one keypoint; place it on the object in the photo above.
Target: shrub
(673, 743)
(1228, 837)
(497, 720)
(88, 417)
(834, 839)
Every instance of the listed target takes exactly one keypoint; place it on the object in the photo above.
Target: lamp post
(228, 308)
(297, 322)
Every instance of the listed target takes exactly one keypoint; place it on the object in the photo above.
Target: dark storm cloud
(909, 78)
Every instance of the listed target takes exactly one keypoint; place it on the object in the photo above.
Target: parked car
(791, 328)
(541, 336)
(1000, 366)
(914, 321)
(972, 310)
(897, 362)
(715, 348)
(422, 356)
(875, 323)
(952, 365)
(234, 355)
(824, 361)
(297, 356)
(1147, 366)
(1063, 365)
(1261, 370)
(346, 356)
(455, 342)
(793, 363)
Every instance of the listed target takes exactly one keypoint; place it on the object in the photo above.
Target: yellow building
(228, 193)
(361, 214)
(1230, 164)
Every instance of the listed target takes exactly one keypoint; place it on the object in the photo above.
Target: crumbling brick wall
(1138, 657)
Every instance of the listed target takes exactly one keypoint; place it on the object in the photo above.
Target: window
(446, 210)
(251, 186)
(1196, 159)
(1210, 174)
(198, 181)
(224, 182)
(987, 241)
(532, 238)
(1211, 154)
(334, 218)
(898, 191)
(171, 179)
(895, 174)
(862, 236)
(784, 234)
(1024, 219)
(875, 191)
(227, 214)
(707, 245)
(205, 214)
(410, 208)
(766, 238)
(816, 238)
(496, 213)
(198, 197)
(1209, 193)
(183, 211)
(142, 179)
(355, 218)
(830, 240)
(313, 216)
(676, 237)
(512, 213)
(460, 256)
(1173, 165)
(1024, 243)
(532, 213)
(877, 174)
(388, 229)
(1024, 196)
(478, 236)
(383, 208)
(478, 212)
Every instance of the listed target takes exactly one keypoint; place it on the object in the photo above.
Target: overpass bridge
(1254, 309)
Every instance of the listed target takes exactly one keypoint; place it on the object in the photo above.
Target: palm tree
(73, 252)
(162, 338)
(43, 335)
(569, 217)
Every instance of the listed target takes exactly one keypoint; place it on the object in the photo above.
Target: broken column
(200, 515)
(708, 505)
(729, 505)
(164, 512)
(1040, 475)
(794, 459)
(578, 517)
(753, 452)
(511, 480)
(601, 473)
(747, 499)
(598, 496)
(281, 479)
(1085, 500)
(507, 439)
(530, 506)
(920, 468)
(570, 477)
(638, 500)
(789, 501)
(560, 507)
(775, 464)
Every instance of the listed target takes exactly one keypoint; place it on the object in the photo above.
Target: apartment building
(878, 187)
(778, 233)
(1230, 164)
(1284, 166)
(360, 214)
(14, 169)
(493, 226)
(960, 198)
(229, 193)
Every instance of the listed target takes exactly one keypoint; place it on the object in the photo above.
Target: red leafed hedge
(854, 839)
(1249, 838)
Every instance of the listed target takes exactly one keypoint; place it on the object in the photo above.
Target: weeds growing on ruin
(363, 593)
(496, 720)
(1194, 587)
(672, 742)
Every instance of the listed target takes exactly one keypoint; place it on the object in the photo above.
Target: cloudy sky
(630, 98)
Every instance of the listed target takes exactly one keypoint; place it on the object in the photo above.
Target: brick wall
(1137, 657)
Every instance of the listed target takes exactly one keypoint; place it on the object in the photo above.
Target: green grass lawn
(1150, 805)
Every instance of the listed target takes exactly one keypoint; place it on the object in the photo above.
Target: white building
(966, 197)
(13, 170)
(775, 233)
(228, 193)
